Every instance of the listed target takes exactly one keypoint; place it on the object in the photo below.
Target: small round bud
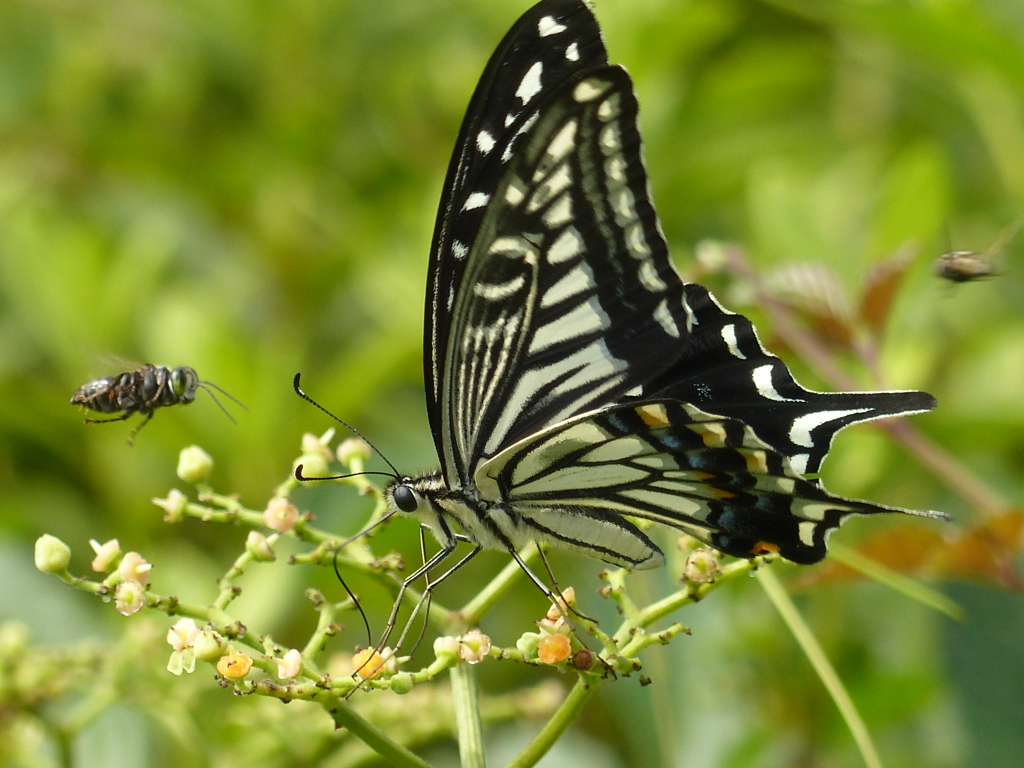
(256, 544)
(106, 554)
(234, 665)
(318, 446)
(686, 542)
(446, 648)
(52, 555)
(174, 506)
(129, 597)
(134, 568)
(553, 649)
(367, 663)
(289, 667)
(474, 646)
(183, 634)
(194, 464)
(14, 638)
(352, 450)
(567, 598)
(313, 465)
(583, 659)
(527, 644)
(208, 645)
(401, 683)
(701, 567)
(280, 515)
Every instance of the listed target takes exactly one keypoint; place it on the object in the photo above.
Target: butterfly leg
(439, 557)
(558, 590)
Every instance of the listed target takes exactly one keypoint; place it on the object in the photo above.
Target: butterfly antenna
(209, 386)
(353, 430)
(303, 479)
(355, 600)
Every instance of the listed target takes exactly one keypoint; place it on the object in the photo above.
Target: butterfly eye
(405, 499)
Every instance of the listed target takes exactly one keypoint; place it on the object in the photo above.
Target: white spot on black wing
(484, 142)
(530, 85)
(549, 26)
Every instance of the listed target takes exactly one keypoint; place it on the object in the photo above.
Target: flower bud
(583, 659)
(318, 446)
(234, 665)
(129, 597)
(280, 515)
(701, 567)
(566, 599)
(106, 554)
(289, 667)
(313, 465)
(208, 645)
(256, 544)
(527, 644)
(14, 639)
(194, 464)
(134, 568)
(446, 648)
(352, 450)
(174, 506)
(401, 683)
(52, 555)
(474, 646)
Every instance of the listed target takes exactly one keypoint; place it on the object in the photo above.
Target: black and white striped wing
(724, 369)
(551, 42)
(575, 484)
(568, 299)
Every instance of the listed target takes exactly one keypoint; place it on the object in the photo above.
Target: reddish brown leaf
(880, 288)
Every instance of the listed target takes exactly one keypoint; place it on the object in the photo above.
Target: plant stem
(557, 725)
(395, 754)
(912, 588)
(826, 672)
(466, 698)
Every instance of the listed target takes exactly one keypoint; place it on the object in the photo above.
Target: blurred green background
(249, 188)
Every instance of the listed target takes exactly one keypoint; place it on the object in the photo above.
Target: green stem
(466, 698)
(912, 588)
(395, 754)
(558, 724)
(826, 672)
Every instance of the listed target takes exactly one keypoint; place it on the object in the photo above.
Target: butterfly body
(574, 382)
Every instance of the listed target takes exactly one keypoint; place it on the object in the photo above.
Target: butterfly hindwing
(670, 463)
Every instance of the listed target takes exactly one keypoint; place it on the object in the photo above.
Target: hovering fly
(967, 266)
(144, 390)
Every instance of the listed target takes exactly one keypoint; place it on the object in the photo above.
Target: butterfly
(574, 382)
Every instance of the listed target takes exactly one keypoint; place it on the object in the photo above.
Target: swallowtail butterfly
(573, 380)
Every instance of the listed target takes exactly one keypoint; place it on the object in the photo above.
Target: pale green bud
(52, 555)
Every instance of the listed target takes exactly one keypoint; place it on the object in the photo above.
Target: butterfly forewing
(570, 300)
(551, 42)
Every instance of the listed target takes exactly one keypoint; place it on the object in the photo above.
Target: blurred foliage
(249, 189)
